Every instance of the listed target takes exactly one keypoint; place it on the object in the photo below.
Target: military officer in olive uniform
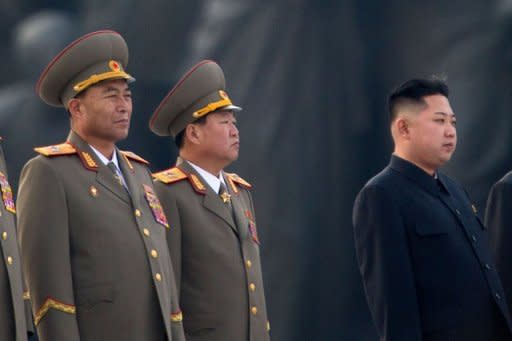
(92, 230)
(213, 237)
(15, 320)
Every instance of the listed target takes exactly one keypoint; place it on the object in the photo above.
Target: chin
(119, 137)
(444, 160)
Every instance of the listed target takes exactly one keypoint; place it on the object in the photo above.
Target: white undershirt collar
(211, 180)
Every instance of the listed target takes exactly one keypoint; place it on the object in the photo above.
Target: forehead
(438, 104)
(111, 84)
(222, 114)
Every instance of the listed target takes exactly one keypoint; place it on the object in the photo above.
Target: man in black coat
(423, 252)
(498, 218)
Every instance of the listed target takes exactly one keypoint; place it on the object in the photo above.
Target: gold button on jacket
(98, 276)
(215, 258)
(15, 322)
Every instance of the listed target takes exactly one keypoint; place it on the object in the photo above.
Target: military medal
(155, 206)
(226, 197)
(7, 194)
(252, 227)
(254, 232)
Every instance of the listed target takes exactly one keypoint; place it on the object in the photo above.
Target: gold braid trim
(26, 295)
(50, 303)
(177, 317)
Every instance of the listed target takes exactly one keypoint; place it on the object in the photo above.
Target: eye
(439, 120)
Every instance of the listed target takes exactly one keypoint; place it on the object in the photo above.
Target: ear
(193, 133)
(402, 127)
(75, 108)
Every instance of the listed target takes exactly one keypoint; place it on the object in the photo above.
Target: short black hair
(178, 140)
(413, 92)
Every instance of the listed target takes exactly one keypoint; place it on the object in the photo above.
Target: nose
(234, 130)
(124, 104)
(450, 131)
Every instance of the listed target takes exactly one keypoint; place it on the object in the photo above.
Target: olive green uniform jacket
(216, 257)
(95, 253)
(13, 317)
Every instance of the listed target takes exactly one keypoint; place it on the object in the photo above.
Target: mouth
(449, 145)
(122, 121)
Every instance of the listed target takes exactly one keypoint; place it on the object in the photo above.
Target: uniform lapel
(238, 213)
(214, 204)
(212, 201)
(105, 178)
(104, 175)
(129, 176)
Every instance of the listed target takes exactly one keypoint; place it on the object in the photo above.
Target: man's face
(107, 109)
(433, 135)
(219, 137)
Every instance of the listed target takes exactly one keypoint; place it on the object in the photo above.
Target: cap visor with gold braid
(199, 92)
(92, 58)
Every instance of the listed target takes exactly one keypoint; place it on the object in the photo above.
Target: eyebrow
(444, 114)
(113, 89)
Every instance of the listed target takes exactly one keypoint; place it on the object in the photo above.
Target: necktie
(113, 168)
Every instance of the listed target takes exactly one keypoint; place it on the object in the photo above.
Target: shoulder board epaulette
(235, 178)
(56, 150)
(170, 175)
(134, 156)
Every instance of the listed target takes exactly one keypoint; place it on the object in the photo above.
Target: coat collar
(104, 175)
(418, 175)
(211, 200)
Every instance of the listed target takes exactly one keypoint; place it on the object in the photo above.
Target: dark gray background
(312, 77)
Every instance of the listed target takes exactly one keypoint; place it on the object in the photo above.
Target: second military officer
(213, 237)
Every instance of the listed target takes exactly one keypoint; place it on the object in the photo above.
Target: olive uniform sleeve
(45, 245)
(169, 206)
(28, 310)
(171, 211)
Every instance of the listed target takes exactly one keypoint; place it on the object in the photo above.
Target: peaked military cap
(199, 92)
(90, 59)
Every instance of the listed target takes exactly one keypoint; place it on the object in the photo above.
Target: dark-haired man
(498, 218)
(213, 238)
(92, 230)
(423, 253)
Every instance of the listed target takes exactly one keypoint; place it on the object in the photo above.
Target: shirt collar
(103, 159)
(211, 180)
